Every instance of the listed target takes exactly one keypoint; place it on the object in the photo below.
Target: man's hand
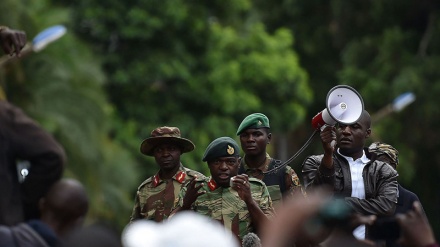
(328, 138)
(192, 193)
(12, 41)
(416, 230)
(240, 183)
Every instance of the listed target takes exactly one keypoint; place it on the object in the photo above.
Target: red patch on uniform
(156, 180)
(180, 177)
(212, 184)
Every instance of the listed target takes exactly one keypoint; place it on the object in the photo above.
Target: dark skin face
(254, 141)
(167, 156)
(223, 168)
(351, 138)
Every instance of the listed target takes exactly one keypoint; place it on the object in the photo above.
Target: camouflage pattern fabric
(380, 148)
(155, 197)
(293, 184)
(224, 205)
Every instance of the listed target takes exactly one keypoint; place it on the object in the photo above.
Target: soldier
(155, 196)
(240, 203)
(254, 132)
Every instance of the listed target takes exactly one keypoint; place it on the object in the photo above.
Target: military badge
(230, 150)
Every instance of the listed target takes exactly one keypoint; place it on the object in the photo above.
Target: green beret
(221, 147)
(253, 121)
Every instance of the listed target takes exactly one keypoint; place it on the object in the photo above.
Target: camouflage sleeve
(264, 202)
(293, 185)
(136, 214)
(179, 200)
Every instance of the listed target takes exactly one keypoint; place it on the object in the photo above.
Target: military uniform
(224, 204)
(283, 182)
(280, 183)
(155, 197)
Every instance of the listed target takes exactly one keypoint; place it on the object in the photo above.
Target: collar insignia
(180, 177)
(156, 180)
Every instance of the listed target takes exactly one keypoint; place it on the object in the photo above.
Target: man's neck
(354, 155)
(168, 174)
(255, 161)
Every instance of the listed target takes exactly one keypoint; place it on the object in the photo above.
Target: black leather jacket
(380, 181)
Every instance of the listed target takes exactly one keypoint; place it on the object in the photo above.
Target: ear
(368, 133)
(269, 137)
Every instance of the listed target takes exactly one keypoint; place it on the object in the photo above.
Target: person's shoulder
(193, 173)
(146, 182)
(315, 157)
(385, 168)
(407, 193)
(257, 182)
(313, 160)
(289, 170)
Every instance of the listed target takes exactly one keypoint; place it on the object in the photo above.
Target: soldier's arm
(136, 213)
(258, 212)
(293, 185)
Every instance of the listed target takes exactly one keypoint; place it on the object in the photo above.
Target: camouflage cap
(165, 134)
(253, 121)
(380, 148)
(221, 147)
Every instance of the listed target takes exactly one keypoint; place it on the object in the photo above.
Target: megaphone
(344, 105)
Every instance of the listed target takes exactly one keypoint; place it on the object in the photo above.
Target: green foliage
(62, 88)
(202, 67)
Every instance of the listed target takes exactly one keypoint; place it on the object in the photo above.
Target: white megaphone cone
(344, 105)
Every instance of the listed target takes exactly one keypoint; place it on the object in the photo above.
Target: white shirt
(357, 185)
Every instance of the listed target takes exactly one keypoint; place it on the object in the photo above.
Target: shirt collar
(263, 167)
(179, 177)
(350, 160)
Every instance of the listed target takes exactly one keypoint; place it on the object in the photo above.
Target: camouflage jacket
(283, 182)
(224, 204)
(155, 197)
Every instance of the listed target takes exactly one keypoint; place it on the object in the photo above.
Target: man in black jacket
(369, 186)
(22, 139)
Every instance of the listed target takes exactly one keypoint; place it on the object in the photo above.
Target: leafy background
(126, 67)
